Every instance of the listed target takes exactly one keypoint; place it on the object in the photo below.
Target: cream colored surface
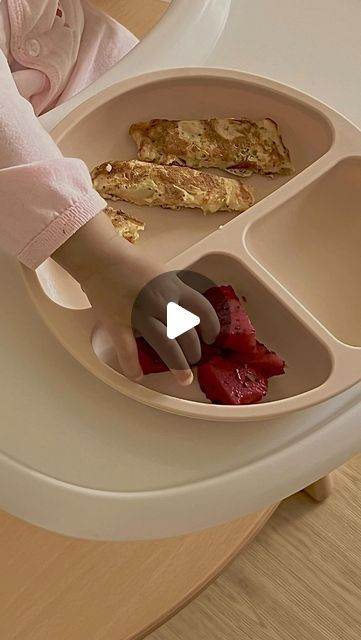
(137, 15)
(328, 209)
(299, 580)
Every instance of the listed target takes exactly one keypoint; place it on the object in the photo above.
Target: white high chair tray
(79, 458)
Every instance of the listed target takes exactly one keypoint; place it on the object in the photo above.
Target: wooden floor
(299, 580)
(137, 15)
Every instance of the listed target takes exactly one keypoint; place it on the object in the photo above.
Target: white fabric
(59, 47)
(28, 81)
(4, 28)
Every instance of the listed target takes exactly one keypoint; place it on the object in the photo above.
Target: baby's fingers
(126, 349)
(155, 333)
(198, 304)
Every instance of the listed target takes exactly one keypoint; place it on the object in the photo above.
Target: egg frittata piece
(171, 187)
(127, 226)
(239, 146)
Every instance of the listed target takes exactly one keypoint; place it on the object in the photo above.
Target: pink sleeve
(44, 197)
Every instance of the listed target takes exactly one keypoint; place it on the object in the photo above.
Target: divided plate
(295, 255)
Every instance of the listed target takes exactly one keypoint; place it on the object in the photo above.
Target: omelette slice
(127, 226)
(144, 183)
(239, 146)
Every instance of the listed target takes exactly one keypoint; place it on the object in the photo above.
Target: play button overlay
(179, 320)
(166, 312)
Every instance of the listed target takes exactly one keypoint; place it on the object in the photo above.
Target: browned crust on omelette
(240, 146)
(127, 226)
(171, 187)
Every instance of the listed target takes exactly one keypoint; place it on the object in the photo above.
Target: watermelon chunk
(266, 362)
(225, 382)
(236, 368)
(237, 332)
(149, 360)
(208, 351)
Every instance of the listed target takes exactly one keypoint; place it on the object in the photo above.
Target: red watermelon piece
(266, 362)
(236, 368)
(149, 360)
(208, 351)
(237, 332)
(226, 382)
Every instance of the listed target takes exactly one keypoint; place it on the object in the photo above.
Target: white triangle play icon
(179, 320)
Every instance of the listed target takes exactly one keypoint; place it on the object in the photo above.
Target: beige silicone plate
(295, 255)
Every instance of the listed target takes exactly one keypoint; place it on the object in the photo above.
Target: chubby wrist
(92, 249)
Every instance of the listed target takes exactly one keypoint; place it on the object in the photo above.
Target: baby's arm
(49, 208)
(45, 198)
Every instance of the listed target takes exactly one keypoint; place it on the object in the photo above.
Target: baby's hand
(113, 273)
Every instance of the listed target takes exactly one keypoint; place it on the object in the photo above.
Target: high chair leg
(321, 489)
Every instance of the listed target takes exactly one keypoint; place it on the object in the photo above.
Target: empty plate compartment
(312, 245)
(308, 360)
